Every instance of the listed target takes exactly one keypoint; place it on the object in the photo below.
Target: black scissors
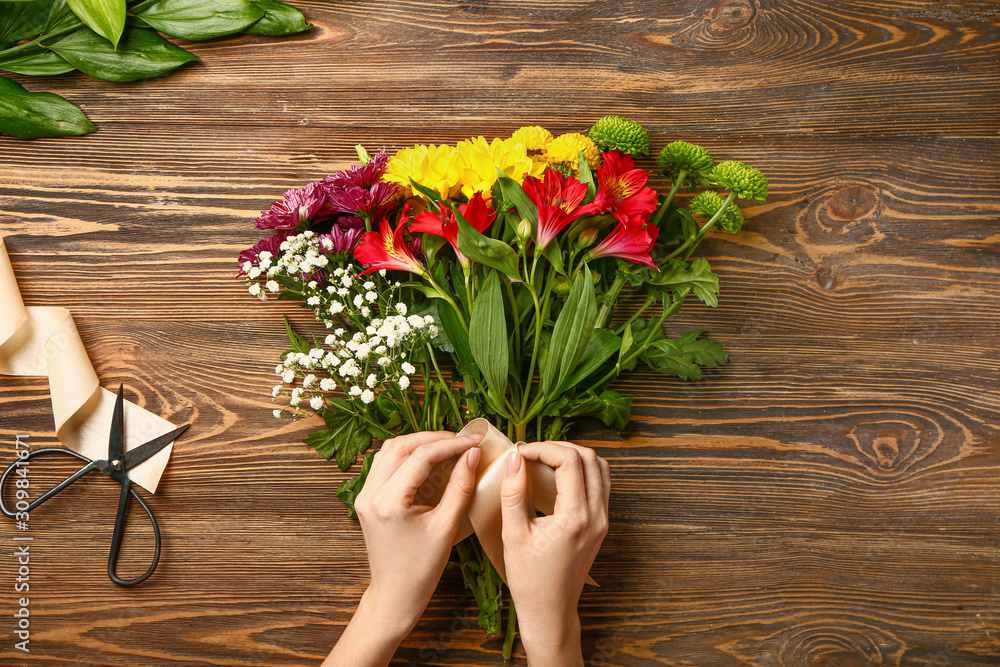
(116, 466)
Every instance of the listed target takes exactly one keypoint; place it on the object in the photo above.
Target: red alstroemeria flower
(632, 243)
(386, 249)
(621, 189)
(558, 200)
(477, 213)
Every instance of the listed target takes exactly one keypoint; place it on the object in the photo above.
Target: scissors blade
(134, 457)
(116, 444)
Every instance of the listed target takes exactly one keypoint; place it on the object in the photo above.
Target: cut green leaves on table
(112, 40)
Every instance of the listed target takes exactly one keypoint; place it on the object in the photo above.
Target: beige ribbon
(484, 514)
(39, 340)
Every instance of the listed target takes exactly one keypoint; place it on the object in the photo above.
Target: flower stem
(444, 386)
(447, 297)
(667, 312)
(408, 409)
(670, 197)
(636, 314)
(520, 431)
(609, 298)
(693, 242)
(540, 310)
(508, 642)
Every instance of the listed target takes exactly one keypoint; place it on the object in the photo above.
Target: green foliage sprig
(113, 40)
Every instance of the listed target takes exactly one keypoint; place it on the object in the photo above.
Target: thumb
(514, 497)
(460, 487)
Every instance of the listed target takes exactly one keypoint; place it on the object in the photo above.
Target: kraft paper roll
(41, 340)
(484, 515)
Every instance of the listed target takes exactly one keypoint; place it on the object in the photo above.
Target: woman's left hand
(408, 540)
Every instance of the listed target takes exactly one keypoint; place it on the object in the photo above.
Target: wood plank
(829, 497)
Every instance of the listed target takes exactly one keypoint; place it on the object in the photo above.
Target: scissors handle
(90, 467)
(116, 538)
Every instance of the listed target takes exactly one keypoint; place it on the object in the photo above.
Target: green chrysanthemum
(617, 133)
(694, 160)
(746, 181)
(708, 203)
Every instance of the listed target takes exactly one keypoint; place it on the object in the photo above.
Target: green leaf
(104, 17)
(586, 176)
(671, 232)
(601, 346)
(514, 193)
(27, 115)
(350, 488)
(61, 18)
(488, 336)
(20, 20)
(490, 252)
(571, 334)
(689, 227)
(299, 344)
(667, 357)
(35, 61)
(626, 348)
(553, 252)
(429, 245)
(346, 437)
(141, 54)
(200, 19)
(683, 278)
(426, 191)
(682, 357)
(702, 351)
(452, 325)
(279, 19)
(610, 407)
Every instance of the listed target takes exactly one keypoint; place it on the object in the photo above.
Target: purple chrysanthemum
(350, 222)
(299, 205)
(372, 203)
(359, 175)
(271, 244)
(343, 240)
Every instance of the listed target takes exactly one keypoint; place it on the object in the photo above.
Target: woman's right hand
(547, 558)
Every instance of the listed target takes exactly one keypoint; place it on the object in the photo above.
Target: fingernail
(475, 436)
(513, 463)
(473, 459)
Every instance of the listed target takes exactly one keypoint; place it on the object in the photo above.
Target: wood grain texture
(828, 498)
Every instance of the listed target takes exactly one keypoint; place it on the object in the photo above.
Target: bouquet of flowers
(482, 279)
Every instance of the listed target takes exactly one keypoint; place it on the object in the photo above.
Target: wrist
(552, 644)
(387, 614)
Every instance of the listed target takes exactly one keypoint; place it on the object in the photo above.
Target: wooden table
(830, 497)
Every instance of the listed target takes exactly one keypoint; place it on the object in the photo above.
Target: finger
(514, 509)
(461, 484)
(606, 475)
(571, 491)
(597, 491)
(411, 474)
(395, 450)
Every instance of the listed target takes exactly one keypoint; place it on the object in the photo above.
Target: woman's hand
(408, 540)
(548, 558)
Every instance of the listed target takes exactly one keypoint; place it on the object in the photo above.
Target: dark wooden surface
(830, 497)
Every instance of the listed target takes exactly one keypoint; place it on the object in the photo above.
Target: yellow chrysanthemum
(565, 148)
(532, 137)
(481, 159)
(436, 167)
